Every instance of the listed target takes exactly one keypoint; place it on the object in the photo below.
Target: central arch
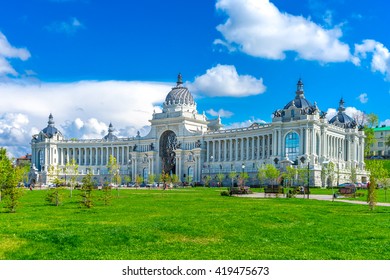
(168, 145)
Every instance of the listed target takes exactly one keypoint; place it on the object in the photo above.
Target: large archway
(168, 145)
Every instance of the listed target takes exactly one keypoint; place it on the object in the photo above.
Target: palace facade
(186, 143)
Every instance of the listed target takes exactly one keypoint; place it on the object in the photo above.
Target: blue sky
(95, 62)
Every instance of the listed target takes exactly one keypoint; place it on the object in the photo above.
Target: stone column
(214, 145)
(231, 149)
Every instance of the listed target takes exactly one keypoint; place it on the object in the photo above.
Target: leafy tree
(189, 180)
(232, 176)
(242, 178)
(372, 120)
(50, 172)
(86, 190)
(206, 180)
(369, 140)
(113, 170)
(387, 142)
(386, 184)
(72, 170)
(158, 179)
(330, 171)
(220, 178)
(151, 178)
(10, 177)
(138, 180)
(272, 173)
(377, 172)
(175, 179)
(127, 179)
(164, 177)
(290, 175)
(107, 194)
(25, 169)
(367, 122)
(353, 174)
(261, 175)
(302, 175)
(55, 196)
(323, 176)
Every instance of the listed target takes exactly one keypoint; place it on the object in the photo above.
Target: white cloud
(89, 129)
(246, 123)
(6, 52)
(223, 80)
(385, 122)
(259, 29)
(80, 109)
(380, 56)
(15, 133)
(222, 43)
(221, 112)
(363, 98)
(68, 27)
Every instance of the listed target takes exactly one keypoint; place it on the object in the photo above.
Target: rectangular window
(380, 144)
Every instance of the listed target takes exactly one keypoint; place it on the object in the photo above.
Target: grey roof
(179, 94)
(299, 101)
(50, 130)
(342, 119)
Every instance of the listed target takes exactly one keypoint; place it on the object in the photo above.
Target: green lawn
(193, 224)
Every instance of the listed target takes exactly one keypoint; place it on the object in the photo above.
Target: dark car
(347, 185)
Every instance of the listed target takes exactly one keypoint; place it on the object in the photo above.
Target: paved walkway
(316, 197)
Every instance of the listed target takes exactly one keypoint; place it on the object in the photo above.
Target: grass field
(193, 224)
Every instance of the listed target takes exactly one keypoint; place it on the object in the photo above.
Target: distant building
(184, 142)
(379, 148)
(24, 160)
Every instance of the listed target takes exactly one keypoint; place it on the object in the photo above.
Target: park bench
(301, 190)
(347, 191)
(273, 190)
(240, 190)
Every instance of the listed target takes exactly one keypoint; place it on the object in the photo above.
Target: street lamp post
(117, 182)
(242, 174)
(338, 167)
(211, 160)
(308, 178)
(128, 173)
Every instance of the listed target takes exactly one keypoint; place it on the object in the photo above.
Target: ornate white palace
(186, 143)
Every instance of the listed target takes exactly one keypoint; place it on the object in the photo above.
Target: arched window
(191, 172)
(292, 145)
(41, 159)
(145, 174)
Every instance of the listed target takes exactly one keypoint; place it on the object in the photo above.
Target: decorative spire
(300, 85)
(299, 92)
(51, 120)
(341, 105)
(179, 80)
(110, 128)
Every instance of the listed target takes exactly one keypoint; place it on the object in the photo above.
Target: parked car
(361, 185)
(153, 185)
(347, 185)
(376, 157)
